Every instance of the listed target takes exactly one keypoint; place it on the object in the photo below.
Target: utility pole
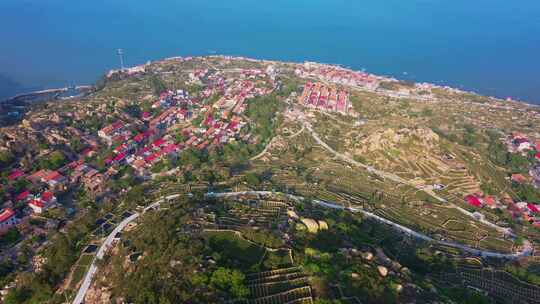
(120, 54)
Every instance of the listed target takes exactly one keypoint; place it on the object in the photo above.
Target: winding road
(89, 276)
(263, 152)
(397, 179)
(526, 250)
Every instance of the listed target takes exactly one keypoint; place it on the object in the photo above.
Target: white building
(7, 220)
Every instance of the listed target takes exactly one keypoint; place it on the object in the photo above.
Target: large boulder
(368, 256)
(383, 271)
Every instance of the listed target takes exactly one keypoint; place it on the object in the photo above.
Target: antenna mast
(120, 54)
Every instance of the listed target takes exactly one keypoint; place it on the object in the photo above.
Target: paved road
(525, 251)
(79, 298)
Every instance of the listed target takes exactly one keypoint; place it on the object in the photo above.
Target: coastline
(84, 89)
(54, 93)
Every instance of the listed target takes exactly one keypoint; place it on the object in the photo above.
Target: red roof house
(518, 178)
(146, 115)
(170, 148)
(120, 148)
(6, 215)
(473, 200)
(87, 151)
(47, 196)
(120, 156)
(7, 220)
(151, 157)
(209, 120)
(233, 125)
(38, 176)
(15, 174)
(139, 137)
(23, 196)
(53, 175)
(117, 125)
(37, 205)
(533, 208)
(490, 201)
(158, 142)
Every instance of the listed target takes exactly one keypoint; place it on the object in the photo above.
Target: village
(177, 121)
(368, 82)
(323, 98)
(518, 144)
(174, 122)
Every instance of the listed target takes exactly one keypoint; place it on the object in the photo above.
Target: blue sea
(491, 47)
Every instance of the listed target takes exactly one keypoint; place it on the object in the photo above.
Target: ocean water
(491, 47)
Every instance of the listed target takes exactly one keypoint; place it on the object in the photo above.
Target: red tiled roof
(54, 175)
(37, 203)
(6, 214)
(489, 200)
(151, 158)
(117, 125)
(120, 156)
(518, 178)
(169, 148)
(120, 148)
(473, 200)
(142, 151)
(158, 142)
(22, 196)
(209, 120)
(86, 151)
(533, 208)
(38, 175)
(191, 140)
(15, 174)
(47, 196)
(139, 137)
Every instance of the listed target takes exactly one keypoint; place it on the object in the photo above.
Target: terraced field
(279, 286)
(235, 248)
(324, 177)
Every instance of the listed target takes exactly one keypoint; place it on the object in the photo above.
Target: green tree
(231, 281)
(6, 157)
(12, 236)
(53, 161)
(158, 85)
(252, 179)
